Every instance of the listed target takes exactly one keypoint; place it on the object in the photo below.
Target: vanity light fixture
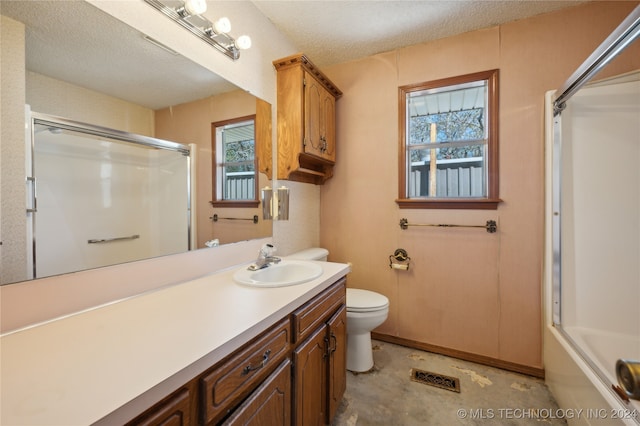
(195, 7)
(275, 203)
(188, 14)
(222, 25)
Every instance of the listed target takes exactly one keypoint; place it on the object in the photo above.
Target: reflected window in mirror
(235, 178)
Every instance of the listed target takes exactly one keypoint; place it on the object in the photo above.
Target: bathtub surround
(468, 291)
(592, 318)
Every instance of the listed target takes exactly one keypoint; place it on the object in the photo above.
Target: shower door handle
(110, 240)
(34, 205)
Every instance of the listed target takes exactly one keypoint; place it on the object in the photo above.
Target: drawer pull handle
(249, 368)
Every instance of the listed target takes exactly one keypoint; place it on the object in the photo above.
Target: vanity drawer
(173, 410)
(231, 381)
(269, 404)
(318, 310)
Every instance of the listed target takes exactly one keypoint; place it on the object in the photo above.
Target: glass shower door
(103, 201)
(599, 295)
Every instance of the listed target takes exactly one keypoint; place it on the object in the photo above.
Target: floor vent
(434, 379)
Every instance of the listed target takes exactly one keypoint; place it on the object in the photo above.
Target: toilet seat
(359, 300)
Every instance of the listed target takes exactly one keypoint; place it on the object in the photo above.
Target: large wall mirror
(84, 65)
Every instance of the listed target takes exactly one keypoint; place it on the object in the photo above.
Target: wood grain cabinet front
(175, 410)
(314, 313)
(270, 404)
(320, 360)
(306, 120)
(292, 373)
(230, 382)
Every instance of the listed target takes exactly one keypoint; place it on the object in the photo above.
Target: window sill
(442, 203)
(235, 203)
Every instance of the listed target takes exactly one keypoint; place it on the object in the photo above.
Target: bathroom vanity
(207, 351)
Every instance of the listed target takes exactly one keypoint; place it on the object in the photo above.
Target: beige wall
(190, 123)
(466, 290)
(48, 95)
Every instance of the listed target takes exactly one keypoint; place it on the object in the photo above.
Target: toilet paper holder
(399, 260)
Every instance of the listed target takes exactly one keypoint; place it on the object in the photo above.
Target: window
(235, 182)
(449, 143)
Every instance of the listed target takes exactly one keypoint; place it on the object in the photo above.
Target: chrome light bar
(201, 27)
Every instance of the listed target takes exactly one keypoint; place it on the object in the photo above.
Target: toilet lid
(359, 300)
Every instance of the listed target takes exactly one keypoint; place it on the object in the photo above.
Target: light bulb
(243, 42)
(222, 25)
(195, 7)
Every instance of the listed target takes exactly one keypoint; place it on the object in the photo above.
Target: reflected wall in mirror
(118, 79)
(191, 123)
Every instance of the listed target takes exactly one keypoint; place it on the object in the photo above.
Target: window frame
(491, 201)
(218, 200)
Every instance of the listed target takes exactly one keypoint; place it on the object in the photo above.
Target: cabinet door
(174, 411)
(310, 387)
(337, 330)
(270, 404)
(313, 93)
(328, 126)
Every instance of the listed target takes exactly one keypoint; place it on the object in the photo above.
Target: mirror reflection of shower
(100, 197)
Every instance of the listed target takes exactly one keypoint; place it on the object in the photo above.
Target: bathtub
(580, 379)
(604, 349)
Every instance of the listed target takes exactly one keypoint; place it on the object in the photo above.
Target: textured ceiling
(339, 31)
(116, 59)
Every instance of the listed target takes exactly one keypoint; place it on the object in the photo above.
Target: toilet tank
(314, 253)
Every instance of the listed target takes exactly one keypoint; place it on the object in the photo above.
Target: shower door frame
(98, 131)
(621, 38)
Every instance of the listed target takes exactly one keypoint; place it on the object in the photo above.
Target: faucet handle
(268, 250)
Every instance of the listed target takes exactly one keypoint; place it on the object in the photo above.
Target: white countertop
(78, 369)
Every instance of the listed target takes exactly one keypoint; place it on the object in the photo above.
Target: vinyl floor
(487, 396)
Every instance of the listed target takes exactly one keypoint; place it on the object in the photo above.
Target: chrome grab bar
(491, 225)
(109, 240)
(215, 218)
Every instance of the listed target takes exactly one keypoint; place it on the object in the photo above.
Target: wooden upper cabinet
(306, 121)
(263, 137)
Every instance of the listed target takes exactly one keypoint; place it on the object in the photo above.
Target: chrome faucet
(265, 258)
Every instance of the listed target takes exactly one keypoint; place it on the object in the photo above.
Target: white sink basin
(285, 273)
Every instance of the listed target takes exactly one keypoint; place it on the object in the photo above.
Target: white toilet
(366, 310)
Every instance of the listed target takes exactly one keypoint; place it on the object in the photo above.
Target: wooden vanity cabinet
(178, 409)
(320, 359)
(294, 373)
(229, 382)
(306, 121)
(269, 404)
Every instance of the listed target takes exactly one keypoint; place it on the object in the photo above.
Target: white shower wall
(600, 249)
(601, 209)
(90, 189)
